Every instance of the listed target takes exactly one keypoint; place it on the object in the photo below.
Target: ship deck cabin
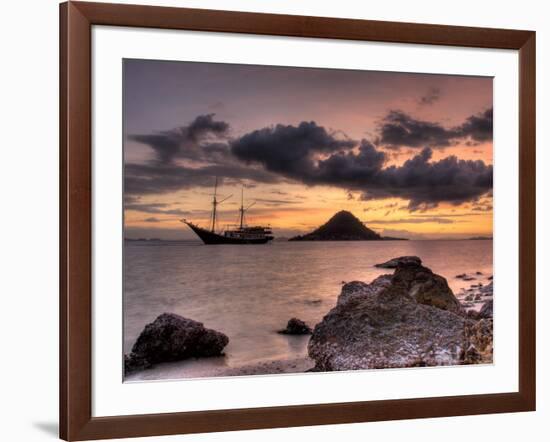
(255, 232)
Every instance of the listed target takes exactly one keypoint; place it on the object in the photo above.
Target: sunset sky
(408, 154)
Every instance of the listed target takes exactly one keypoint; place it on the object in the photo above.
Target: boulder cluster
(408, 319)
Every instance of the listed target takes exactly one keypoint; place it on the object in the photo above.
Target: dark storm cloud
(431, 97)
(288, 150)
(479, 127)
(426, 183)
(423, 182)
(203, 140)
(194, 141)
(352, 168)
(399, 129)
(300, 153)
(156, 208)
(155, 178)
(312, 155)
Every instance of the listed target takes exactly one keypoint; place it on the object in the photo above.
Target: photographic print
(293, 220)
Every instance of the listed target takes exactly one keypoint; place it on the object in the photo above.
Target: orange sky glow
(354, 108)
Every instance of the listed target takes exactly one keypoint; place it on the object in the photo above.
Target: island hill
(343, 226)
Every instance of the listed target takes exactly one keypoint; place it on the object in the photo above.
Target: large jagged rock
(426, 287)
(360, 289)
(172, 337)
(408, 319)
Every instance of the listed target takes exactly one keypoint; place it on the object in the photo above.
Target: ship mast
(214, 204)
(243, 209)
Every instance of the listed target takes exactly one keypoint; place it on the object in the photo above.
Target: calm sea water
(250, 291)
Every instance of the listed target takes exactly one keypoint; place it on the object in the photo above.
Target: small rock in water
(313, 301)
(295, 326)
(465, 277)
(401, 261)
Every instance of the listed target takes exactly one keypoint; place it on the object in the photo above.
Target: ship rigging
(243, 234)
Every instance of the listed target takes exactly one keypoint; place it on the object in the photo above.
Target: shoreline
(200, 368)
(417, 294)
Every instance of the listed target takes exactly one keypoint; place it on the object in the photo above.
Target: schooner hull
(209, 237)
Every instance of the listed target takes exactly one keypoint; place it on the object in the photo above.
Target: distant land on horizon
(285, 239)
(343, 226)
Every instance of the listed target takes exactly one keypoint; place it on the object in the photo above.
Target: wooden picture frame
(76, 21)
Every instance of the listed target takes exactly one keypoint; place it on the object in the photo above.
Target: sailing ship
(242, 234)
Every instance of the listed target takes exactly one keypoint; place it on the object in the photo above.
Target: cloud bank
(399, 129)
(310, 154)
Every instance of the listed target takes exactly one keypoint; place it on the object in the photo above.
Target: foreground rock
(407, 319)
(480, 337)
(425, 287)
(402, 260)
(171, 337)
(296, 326)
(486, 310)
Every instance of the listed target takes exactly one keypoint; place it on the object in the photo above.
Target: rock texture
(486, 310)
(402, 260)
(171, 337)
(407, 319)
(296, 326)
(476, 298)
(480, 337)
(425, 287)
